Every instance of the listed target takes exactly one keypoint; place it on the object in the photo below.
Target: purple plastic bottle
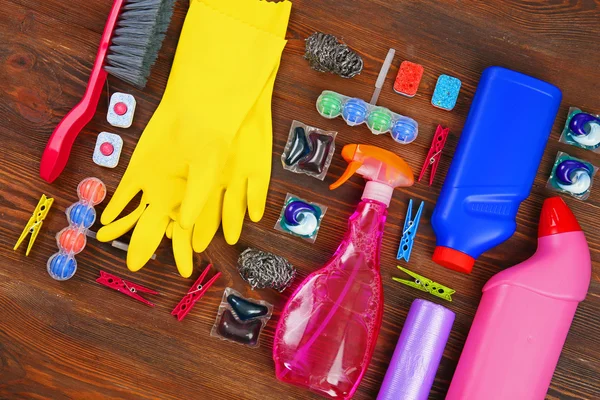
(328, 329)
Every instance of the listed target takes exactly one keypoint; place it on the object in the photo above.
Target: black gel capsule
(245, 309)
(299, 148)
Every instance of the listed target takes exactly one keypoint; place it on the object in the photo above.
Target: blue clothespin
(409, 233)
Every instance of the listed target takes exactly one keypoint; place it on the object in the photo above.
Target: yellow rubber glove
(248, 167)
(245, 179)
(244, 183)
(221, 66)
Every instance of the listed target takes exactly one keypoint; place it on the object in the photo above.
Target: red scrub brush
(132, 37)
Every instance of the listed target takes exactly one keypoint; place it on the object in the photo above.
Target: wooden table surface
(77, 339)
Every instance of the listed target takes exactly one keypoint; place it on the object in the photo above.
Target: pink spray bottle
(525, 314)
(328, 329)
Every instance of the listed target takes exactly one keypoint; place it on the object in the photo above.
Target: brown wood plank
(77, 339)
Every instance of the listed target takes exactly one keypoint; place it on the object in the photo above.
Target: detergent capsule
(299, 147)
(300, 218)
(241, 320)
(582, 129)
(572, 176)
(586, 129)
(244, 333)
(246, 309)
(320, 149)
(309, 150)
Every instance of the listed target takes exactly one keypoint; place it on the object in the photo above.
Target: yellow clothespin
(35, 222)
(426, 285)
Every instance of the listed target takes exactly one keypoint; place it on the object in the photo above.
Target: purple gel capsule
(241, 332)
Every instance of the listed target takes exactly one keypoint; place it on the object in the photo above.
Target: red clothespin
(435, 152)
(129, 288)
(194, 294)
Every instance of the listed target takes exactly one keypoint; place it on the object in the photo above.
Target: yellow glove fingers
(182, 250)
(169, 231)
(146, 237)
(208, 222)
(125, 192)
(234, 210)
(256, 141)
(121, 226)
(201, 179)
(258, 187)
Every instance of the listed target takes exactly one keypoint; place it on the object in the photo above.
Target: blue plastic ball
(62, 267)
(82, 215)
(405, 130)
(355, 111)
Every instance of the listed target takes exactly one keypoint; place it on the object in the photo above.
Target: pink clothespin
(194, 294)
(435, 152)
(129, 288)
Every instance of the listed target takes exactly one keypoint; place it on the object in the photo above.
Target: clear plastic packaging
(582, 130)
(241, 320)
(380, 120)
(72, 239)
(300, 218)
(572, 176)
(309, 150)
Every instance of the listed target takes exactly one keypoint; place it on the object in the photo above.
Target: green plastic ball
(329, 104)
(380, 120)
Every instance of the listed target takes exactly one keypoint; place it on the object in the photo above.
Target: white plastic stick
(382, 74)
(115, 243)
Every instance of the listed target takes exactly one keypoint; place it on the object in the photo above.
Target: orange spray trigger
(375, 164)
(352, 168)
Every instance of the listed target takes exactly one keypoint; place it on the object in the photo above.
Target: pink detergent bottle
(525, 314)
(328, 329)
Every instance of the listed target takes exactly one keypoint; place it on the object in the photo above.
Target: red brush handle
(60, 143)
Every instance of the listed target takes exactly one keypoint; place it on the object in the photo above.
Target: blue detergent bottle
(494, 166)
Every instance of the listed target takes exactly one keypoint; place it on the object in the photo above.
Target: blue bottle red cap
(453, 259)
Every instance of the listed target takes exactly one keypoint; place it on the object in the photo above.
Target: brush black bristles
(137, 39)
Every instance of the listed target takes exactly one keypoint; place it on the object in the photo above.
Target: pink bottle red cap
(556, 217)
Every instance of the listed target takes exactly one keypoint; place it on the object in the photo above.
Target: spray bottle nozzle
(383, 169)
